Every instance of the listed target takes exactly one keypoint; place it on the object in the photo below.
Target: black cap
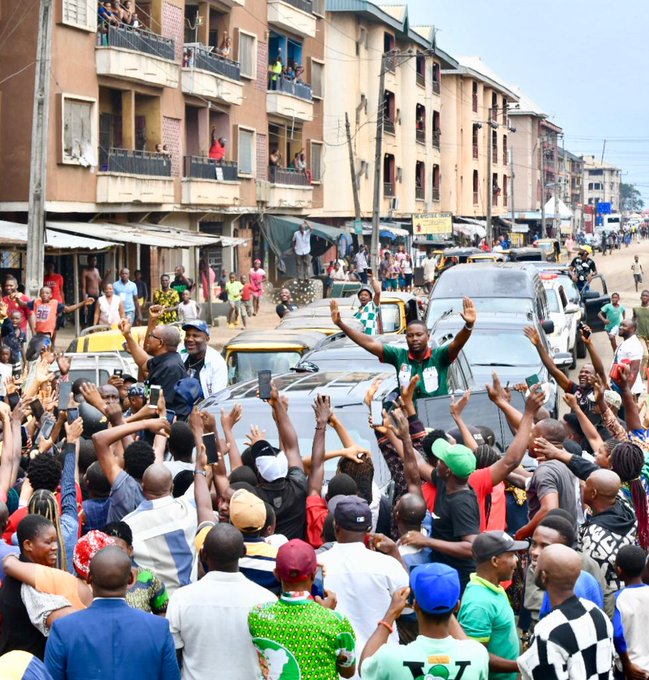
(493, 543)
(353, 514)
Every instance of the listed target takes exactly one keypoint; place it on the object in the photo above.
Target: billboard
(439, 224)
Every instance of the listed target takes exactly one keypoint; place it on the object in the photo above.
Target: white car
(565, 315)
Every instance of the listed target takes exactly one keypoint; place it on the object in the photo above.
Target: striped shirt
(258, 564)
(163, 539)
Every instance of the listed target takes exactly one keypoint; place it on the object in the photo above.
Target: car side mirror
(548, 326)
(571, 308)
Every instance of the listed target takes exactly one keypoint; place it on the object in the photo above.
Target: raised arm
(631, 412)
(322, 409)
(228, 421)
(202, 497)
(589, 430)
(410, 468)
(561, 378)
(285, 429)
(139, 355)
(67, 309)
(499, 397)
(461, 338)
(595, 359)
(365, 341)
(456, 407)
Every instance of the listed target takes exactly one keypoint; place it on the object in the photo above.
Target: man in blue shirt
(127, 291)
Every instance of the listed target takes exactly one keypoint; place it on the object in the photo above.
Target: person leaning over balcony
(226, 46)
(217, 147)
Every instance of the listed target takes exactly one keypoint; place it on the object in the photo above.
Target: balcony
(211, 76)
(295, 16)
(290, 99)
(137, 55)
(475, 151)
(127, 176)
(388, 126)
(285, 188)
(436, 138)
(494, 154)
(388, 189)
(474, 103)
(420, 193)
(436, 194)
(436, 86)
(207, 182)
(420, 135)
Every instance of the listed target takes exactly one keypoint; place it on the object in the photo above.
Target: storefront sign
(439, 224)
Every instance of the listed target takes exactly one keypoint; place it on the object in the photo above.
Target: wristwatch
(200, 472)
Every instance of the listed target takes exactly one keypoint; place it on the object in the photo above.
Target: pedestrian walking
(637, 270)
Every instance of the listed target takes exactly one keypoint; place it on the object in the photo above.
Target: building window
(475, 136)
(420, 181)
(317, 79)
(421, 69)
(80, 14)
(248, 55)
(494, 106)
(436, 78)
(78, 147)
(316, 162)
(389, 112)
(504, 111)
(505, 190)
(437, 132)
(474, 96)
(420, 123)
(246, 155)
(436, 183)
(505, 151)
(388, 46)
(389, 175)
(476, 188)
(494, 146)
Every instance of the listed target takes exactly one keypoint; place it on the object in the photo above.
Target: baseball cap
(188, 391)
(353, 514)
(198, 325)
(247, 511)
(492, 543)
(295, 561)
(137, 390)
(459, 458)
(613, 398)
(436, 587)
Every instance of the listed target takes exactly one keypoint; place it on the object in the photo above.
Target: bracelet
(201, 472)
(387, 625)
(468, 328)
(321, 428)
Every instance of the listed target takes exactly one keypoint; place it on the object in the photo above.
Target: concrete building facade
(601, 183)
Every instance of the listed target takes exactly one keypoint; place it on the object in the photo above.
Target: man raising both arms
(419, 359)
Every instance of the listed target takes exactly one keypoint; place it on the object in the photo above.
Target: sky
(585, 62)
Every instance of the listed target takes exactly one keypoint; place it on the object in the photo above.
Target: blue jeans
(130, 316)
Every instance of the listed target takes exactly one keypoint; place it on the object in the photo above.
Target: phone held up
(264, 384)
(211, 448)
(154, 395)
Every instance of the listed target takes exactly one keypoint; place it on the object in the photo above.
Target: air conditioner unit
(394, 203)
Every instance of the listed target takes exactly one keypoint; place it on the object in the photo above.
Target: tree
(630, 198)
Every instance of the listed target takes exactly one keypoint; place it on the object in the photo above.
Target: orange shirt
(59, 582)
(45, 314)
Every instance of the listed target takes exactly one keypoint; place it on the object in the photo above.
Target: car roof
(340, 347)
(277, 336)
(455, 252)
(485, 321)
(501, 279)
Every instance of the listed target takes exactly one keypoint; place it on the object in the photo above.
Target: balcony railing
(475, 151)
(436, 194)
(436, 86)
(421, 79)
(476, 197)
(304, 5)
(388, 189)
(199, 167)
(134, 162)
(388, 126)
(294, 87)
(436, 137)
(420, 136)
(420, 193)
(128, 38)
(196, 56)
(289, 176)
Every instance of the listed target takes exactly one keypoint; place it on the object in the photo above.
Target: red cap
(295, 561)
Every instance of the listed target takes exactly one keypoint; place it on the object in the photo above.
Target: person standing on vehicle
(583, 268)
(641, 317)
(637, 270)
(612, 315)
(202, 361)
(418, 359)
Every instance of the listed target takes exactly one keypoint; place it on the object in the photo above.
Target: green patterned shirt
(167, 299)
(148, 592)
(368, 315)
(298, 639)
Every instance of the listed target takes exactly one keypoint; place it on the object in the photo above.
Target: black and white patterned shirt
(574, 642)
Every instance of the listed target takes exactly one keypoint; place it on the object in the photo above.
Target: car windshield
(391, 318)
(554, 303)
(436, 308)
(513, 349)
(246, 365)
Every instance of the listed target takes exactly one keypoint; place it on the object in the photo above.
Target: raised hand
(335, 312)
(322, 409)
(255, 435)
(401, 426)
(196, 422)
(229, 420)
(356, 452)
(457, 406)
(125, 326)
(571, 401)
(468, 313)
(156, 311)
(532, 335)
(372, 390)
(74, 430)
(535, 400)
(91, 394)
(408, 395)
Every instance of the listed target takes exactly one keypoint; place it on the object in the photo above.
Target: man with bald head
(574, 641)
(209, 618)
(611, 525)
(164, 528)
(110, 639)
(552, 484)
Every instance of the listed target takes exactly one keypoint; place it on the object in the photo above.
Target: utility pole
(38, 158)
(544, 231)
(490, 235)
(512, 176)
(352, 169)
(376, 201)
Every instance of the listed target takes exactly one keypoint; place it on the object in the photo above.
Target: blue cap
(198, 325)
(436, 587)
(188, 391)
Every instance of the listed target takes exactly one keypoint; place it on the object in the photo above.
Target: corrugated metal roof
(14, 233)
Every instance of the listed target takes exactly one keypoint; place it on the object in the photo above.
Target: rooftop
(474, 66)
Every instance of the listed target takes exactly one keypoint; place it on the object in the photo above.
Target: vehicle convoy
(565, 315)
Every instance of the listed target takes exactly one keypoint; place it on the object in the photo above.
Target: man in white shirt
(364, 580)
(302, 250)
(430, 263)
(631, 350)
(202, 361)
(209, 619)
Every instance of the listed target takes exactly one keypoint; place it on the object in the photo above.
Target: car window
(553, 301)
(391, 318)
(569, 288)
(246, 365)
(437, 307)
(597, 285)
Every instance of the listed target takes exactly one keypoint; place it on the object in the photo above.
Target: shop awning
(14, 233)
(279, 230)
(136, 232)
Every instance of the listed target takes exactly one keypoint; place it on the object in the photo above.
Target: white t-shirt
(176, 466)
(302, 241)
(5, 372)
(364, 582)
(209, 621)
(631, 605)
(187, 312)
(633, 350)
(109, 311)
(429, 269)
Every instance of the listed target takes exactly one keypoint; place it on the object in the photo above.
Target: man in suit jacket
(109, 639)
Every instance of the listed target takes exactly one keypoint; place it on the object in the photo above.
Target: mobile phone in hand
(119, 372)
(264, 384)
(532, 380)
(583, 330)
(36, 408)
(73, 414)
(64, 395)
(211, 449)
(171, 416)
(154, 395)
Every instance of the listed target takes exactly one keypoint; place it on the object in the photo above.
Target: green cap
(459, 459)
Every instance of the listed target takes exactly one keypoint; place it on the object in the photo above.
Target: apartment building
(135, 111)
(601, 183)
(572, 169)
(475, 110)
(359, 33)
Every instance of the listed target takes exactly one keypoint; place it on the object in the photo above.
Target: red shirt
(316, 514)
(13, 306)
(46, 313)
(217, 151)
(55, 283)
(481, 482)
(246, 292)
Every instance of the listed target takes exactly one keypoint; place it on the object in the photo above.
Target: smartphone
(377, 412)
(581, 326)
(37, 409)
(119, 372)
(73, 414)
(47, 428)
(264, 384)
(532, 380)
(154, 395)
(171, 416)
(64, 395)
(211, 450)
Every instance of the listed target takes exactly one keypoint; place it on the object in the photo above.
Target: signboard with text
(604, 208)
(439, 224)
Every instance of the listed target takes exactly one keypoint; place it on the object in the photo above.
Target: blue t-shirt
(586, 587)
(126, 292)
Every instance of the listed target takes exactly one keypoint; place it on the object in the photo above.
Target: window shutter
(317, 79)
(316, 161)
(246, 55)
